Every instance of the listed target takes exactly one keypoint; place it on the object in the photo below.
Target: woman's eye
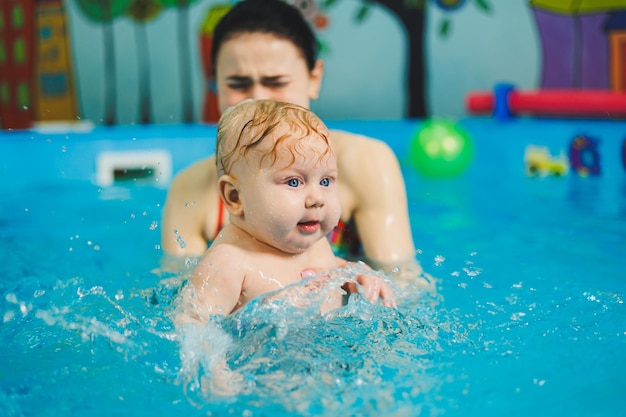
(274, 83)
(242, 85)
(294, 182)
(325, 182)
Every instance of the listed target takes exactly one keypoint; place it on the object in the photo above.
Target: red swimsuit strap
(220, 214)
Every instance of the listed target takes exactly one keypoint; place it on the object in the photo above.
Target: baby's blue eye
(325, 182)
(294, 182)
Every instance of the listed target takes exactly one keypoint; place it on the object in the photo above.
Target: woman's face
(262, 66)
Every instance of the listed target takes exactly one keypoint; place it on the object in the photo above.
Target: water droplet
(8, 316)
(24, 309)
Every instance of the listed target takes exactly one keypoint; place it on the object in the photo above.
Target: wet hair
(273, 17)
(249, 123)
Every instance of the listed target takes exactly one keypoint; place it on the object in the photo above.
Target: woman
(264, 49)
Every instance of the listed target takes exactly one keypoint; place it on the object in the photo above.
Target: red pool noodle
(580, 103)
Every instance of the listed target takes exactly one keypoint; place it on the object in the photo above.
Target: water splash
(280, 351)
(277, 355)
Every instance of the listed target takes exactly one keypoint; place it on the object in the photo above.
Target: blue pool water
(529, 318)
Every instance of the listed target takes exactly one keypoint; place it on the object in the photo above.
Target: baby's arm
(375, 288)
(214, 287)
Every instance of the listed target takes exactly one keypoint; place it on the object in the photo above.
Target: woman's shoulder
(201, 174)
(354, 150)
(342, 136)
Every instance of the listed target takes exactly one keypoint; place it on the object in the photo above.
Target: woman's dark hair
(274, 17)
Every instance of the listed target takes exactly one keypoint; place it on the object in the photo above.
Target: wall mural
(583, 46)
(583, 43)
(410, 14)
(36, 70)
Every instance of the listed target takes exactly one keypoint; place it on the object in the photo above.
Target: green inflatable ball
(440, 149)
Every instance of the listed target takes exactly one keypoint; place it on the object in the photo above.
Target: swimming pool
(529, 318)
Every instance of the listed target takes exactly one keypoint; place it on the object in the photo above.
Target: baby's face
(290, 206)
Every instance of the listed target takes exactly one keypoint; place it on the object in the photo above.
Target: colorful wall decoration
(36, 70)
(582, 45)
(17, 58)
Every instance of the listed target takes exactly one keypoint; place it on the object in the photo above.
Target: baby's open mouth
(310, 226)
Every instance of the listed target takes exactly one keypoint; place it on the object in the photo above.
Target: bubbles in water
(179, 239)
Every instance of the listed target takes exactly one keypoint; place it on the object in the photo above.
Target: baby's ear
(229, 192)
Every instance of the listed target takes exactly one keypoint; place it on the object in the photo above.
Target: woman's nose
(259, 92)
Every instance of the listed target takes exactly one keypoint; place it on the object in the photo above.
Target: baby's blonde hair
(247, 124)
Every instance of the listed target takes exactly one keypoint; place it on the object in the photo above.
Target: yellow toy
(539, 162)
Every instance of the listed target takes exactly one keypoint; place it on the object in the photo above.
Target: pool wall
(45, 156)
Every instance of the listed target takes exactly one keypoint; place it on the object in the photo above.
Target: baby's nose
(314, 199)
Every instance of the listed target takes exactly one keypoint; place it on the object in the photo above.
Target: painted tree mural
(105, 12)
(411, 14)
(184, 55)
(142, 11)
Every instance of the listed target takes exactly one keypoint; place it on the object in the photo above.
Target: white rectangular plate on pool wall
(152, 166)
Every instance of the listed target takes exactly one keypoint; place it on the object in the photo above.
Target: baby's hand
(374, 288)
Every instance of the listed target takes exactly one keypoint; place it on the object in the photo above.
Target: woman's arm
(371, 171)
(186, 210)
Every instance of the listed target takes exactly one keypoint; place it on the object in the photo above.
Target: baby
(277, 175)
